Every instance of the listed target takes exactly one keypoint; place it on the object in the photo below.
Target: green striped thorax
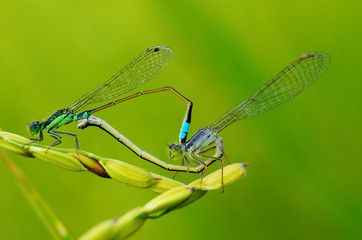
(58, 119)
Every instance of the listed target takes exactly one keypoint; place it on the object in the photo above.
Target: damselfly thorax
(203, 138)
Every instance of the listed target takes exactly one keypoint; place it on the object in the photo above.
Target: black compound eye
(34, 124)
(156, 49)
(173, 146)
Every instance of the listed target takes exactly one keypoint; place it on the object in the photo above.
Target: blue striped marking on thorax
(80, 116)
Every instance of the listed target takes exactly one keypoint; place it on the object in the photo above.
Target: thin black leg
(183, 156)
(222, 167)
(36, 141)
(203, 171)
(71, 134)
(57, 137)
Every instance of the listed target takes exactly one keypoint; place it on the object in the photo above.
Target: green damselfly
(143, 68)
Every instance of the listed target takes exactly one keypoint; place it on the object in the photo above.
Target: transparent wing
(287, 84)
(143, 68)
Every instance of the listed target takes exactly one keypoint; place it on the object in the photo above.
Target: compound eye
(34, 127)
(173, 150)
(173, 146)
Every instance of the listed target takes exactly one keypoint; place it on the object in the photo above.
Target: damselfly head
(173, 150)
(34, 127)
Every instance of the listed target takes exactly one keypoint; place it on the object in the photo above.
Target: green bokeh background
(304, 178)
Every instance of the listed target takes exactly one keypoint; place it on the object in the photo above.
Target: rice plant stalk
(173, 194)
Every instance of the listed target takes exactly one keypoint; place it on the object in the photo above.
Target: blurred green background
(304, 178)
